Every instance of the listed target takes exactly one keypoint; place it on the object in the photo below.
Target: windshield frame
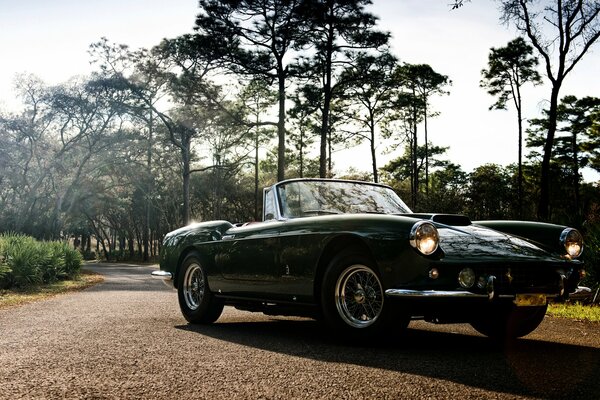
(382, 192)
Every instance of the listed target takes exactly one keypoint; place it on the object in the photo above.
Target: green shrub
(26, 262)
(4, 271)
(72, 259)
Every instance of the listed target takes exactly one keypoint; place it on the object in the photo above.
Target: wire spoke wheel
(197, 303)
(359, 296)
(193, 287)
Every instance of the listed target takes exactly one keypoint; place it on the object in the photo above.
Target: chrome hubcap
(193, 286)
(359, 296)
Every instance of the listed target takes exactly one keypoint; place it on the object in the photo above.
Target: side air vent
(450, 219)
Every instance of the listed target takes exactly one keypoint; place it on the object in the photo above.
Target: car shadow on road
(523, 367)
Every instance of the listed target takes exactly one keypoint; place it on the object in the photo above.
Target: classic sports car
(353, 254)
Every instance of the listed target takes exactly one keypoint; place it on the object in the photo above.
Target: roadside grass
(575, 311)
(17, 297)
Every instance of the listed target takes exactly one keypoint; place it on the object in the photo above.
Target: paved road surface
(125, 338)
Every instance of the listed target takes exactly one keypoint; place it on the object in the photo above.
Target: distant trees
(256, 38)
(401, 169)
(368, 98)
(416, 84)
(177, 70)
(256, 98)
(574, 145)
(562, 32)
(71, 162)
(305, 125)
(448, 190)
(337, 30)
(509, 68)
(427, 83)
(489, 193)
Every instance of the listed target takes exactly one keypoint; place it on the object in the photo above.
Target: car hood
(480, 243)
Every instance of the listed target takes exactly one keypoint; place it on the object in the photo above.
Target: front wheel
(197, 303)
(353, 300)
(510, 322)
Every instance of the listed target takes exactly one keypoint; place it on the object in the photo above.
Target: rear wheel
(510, 322)
(197, 303)
(353, 300)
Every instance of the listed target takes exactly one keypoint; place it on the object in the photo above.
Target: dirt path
(125, 338)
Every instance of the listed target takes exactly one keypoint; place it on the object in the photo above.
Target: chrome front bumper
(165, 276)
(160, 274)
(447, 294)
(580, 292)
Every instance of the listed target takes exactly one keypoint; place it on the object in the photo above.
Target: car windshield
(306, 198)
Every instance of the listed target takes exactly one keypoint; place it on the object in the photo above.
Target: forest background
(259, 91)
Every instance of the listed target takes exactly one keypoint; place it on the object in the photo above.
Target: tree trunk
(301, 152)
(324, 161)
(415, 156)
(329, 161)
(373, 154)
(130, 245)
(426, 146)
(256, 194)
(520, 172)
(146, 226)
(544, 204)
(281, 126)
(186, 180)
(327, 95)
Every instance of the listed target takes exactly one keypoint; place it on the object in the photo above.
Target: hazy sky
(51, 38)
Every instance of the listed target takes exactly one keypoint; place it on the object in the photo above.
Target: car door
(247, 258)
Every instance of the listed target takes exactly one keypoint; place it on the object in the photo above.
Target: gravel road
(125, 338)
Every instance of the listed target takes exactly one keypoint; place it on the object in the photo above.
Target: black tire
(510, 322)
(353, 300)
(198, 304)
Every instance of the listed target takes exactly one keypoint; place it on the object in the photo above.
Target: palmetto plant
(24, 259)
(26, 262)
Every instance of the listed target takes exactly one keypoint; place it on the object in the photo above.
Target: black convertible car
(353, 254)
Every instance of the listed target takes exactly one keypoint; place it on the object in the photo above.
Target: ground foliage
(26, 262)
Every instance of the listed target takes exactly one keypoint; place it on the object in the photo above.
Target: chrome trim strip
(450, 294)
(167, 276)
(408, 293)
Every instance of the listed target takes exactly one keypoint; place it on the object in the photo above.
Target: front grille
(522, 278)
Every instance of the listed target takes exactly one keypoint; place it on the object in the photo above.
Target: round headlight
(424, 237)
(573, 242)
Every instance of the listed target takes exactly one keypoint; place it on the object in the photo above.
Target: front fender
(178, 242)
(544, 235)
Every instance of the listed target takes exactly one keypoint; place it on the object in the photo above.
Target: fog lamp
(572, 241)
(434, 273)
(424, 237)
(466, 278)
